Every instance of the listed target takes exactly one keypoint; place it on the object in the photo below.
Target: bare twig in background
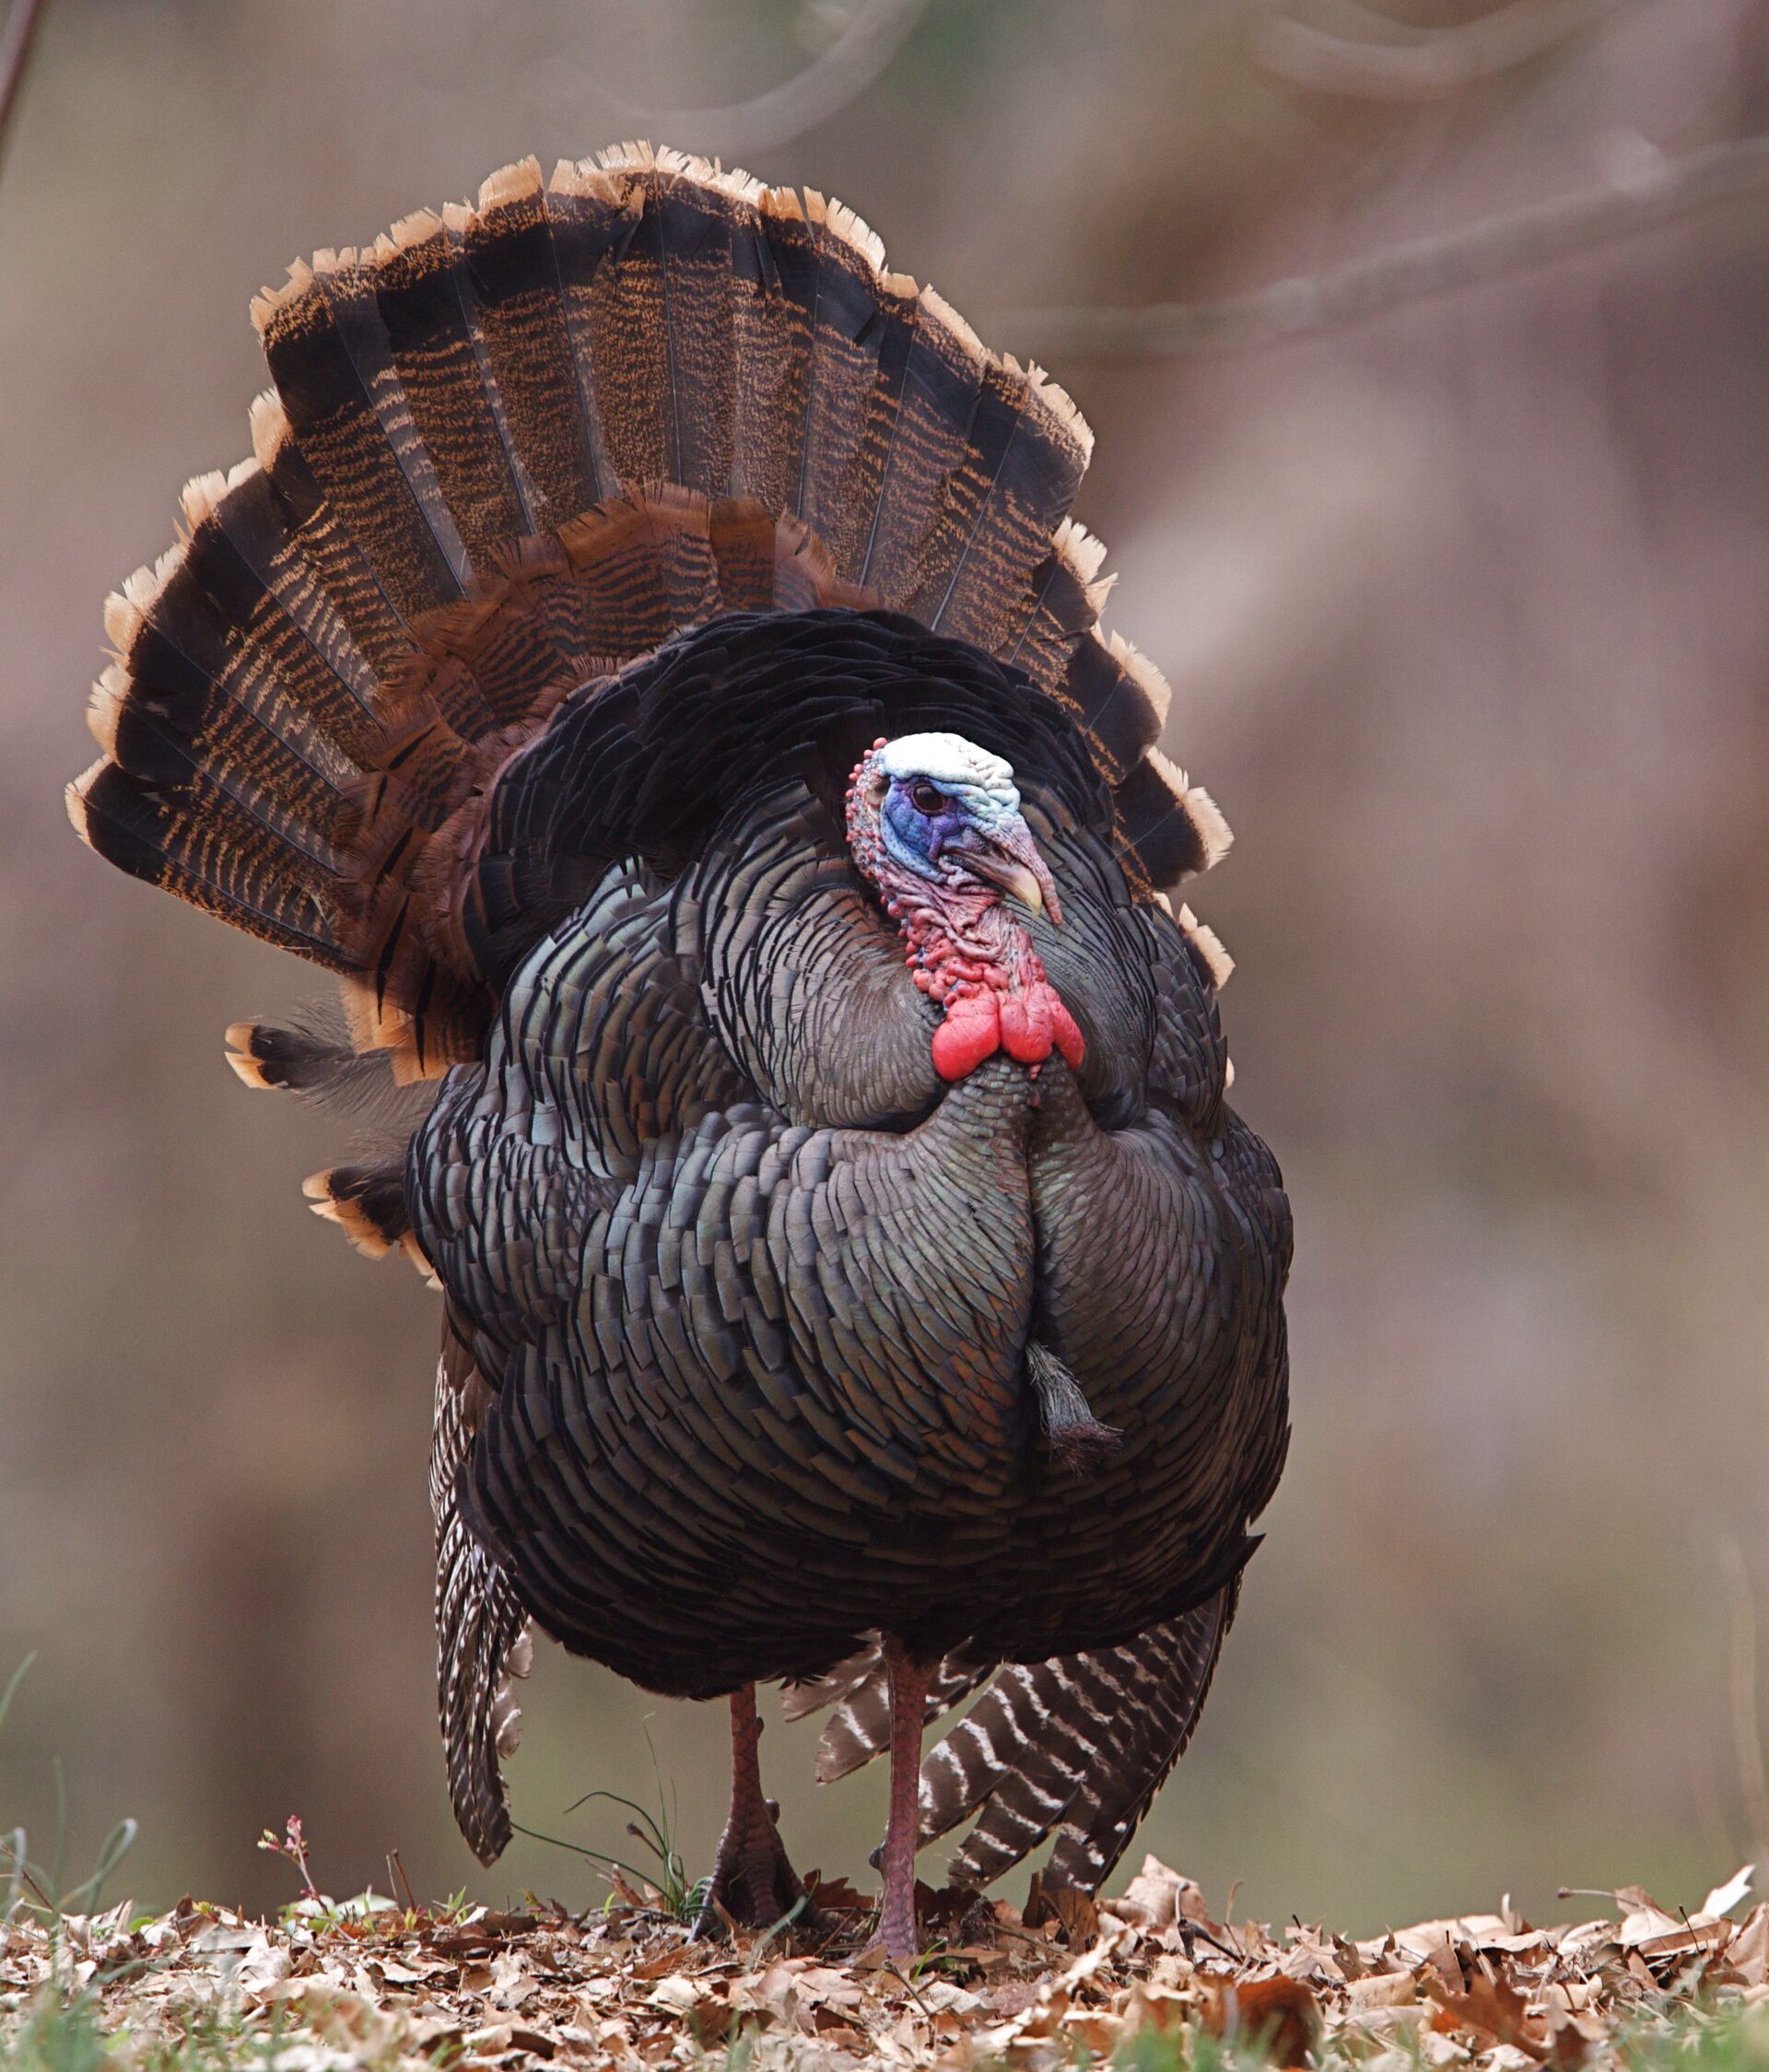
(1663, 190)
(23, 18)
(1375, 59)
(878, 30)
(1746, 1731)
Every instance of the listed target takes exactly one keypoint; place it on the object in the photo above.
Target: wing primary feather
(1078, 1745)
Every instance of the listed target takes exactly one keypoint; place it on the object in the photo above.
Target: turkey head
(934, 822)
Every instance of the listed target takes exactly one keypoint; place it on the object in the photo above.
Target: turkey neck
(971, 941)
(976, 962)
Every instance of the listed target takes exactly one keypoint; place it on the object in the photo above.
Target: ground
(1149, 1981)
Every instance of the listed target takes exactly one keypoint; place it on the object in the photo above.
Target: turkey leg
(751, 1877)
(897, 1934)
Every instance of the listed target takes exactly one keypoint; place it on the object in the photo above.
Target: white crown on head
(954, 764)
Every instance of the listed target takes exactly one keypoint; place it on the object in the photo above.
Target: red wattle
(971, 1032)
(1069, 1037)
(1036, 1022)
(1026, 1026)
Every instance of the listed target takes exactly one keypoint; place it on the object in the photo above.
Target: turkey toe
(754, 1884)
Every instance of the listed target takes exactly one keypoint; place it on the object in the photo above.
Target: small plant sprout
(670, 1888)
(293, 1845)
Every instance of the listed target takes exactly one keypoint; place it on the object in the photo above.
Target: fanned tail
(513, 446)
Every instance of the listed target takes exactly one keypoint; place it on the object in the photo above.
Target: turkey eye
(925, 798)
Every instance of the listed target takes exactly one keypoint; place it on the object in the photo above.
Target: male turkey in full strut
(649, 660)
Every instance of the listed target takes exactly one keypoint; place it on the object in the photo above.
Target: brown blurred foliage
(1464, 609)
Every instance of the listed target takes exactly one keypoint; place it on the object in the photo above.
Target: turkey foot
(752, 1879)
(896, 1935)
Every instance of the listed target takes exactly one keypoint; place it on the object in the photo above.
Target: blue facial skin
(917, 838)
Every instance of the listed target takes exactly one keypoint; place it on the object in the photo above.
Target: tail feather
(835, 489)
(436, 344)
(322, 571)
(941, 385)
(1113, 694)
(688, 244)
(183, 700)
(798, 1700)
(1168, 827)
(644, 566)
(483, 1643)
(744, 541)
(1064, 600)
(517, 288)
(303, 1061)
(775, 263)
(197, 790)
(1027, 453)
(1164, 1686)
(279, 623)
(873, 325)
(1077, 1746)
(174, 846)
(352, 426)
(368, 1202)
(597, 217)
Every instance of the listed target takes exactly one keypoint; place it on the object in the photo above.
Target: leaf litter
(328, 1988)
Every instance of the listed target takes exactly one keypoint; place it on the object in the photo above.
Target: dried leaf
(1063, 1906)
(1493, 2009)
(630, 1988)
(1279, 2014)
(1724, 1898)
(1648, 1924)
(677, 1993)
(263, 1967)
(1157, 1898)
(1094, 2030)
(1382, 1989)
(1746, 1954)
(834, 1895)
(657, 1967)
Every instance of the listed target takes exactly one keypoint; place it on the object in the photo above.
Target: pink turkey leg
(897, 1934)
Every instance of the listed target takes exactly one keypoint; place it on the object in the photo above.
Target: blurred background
(1464, 606)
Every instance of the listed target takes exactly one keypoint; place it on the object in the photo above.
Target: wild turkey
(649, 660)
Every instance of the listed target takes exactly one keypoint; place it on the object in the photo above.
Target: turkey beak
(1008, 857)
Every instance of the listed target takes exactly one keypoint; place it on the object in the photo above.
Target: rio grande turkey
(649, 660)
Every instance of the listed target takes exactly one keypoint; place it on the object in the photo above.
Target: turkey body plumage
(759, 1375)
(543, 677)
